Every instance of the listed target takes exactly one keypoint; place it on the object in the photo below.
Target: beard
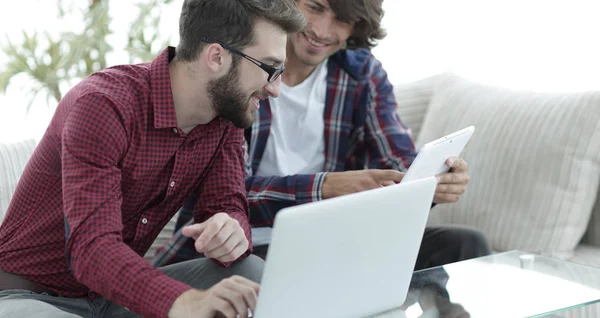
(228, 99)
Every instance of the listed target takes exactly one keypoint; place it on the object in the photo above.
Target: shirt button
(144, 221)
(175, 130)
(172, 184)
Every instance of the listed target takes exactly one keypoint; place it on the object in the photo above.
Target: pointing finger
(193, 230)
(212, 228)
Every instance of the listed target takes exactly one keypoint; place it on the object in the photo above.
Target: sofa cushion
(592, 235)
(589, 255)
(13, 158)
(534, 163)
(413, 100)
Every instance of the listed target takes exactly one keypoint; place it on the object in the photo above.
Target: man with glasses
(334, 130)
(272, 72)
(126, 147)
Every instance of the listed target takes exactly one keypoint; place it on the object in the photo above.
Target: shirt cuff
(169, 290)
(309, 188)
(319, 179)
(227, 264)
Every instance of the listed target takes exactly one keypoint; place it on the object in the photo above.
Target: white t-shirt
(296, 143)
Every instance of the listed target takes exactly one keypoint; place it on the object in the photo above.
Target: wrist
(326, 187)
(178, 307)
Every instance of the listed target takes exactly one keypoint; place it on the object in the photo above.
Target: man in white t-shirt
(334, 130)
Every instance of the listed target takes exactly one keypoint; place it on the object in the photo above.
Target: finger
(243, 280)
(235, 253)
(213, 227)
(248, 289)
(445, 198)
(388, 175)
(453, 177)
(230, 292)
(223, 307)
(220, 238)
(193, 230)
(457, 164)
(217, 251)
(451, 188)
(458, 312)
(387, 183)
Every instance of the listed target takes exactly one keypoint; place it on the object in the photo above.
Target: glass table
(511, 284)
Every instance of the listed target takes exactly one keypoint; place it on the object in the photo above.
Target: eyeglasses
(274, 72)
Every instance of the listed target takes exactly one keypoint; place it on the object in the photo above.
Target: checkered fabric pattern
(109, 173)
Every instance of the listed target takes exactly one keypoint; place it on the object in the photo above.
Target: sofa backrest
(414, 100)
(592, 236)
(13, 158)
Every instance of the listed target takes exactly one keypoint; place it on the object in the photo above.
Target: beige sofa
(534, 163)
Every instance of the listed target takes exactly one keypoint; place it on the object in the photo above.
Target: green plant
(54, 63)
(51, 62)
(144, 33)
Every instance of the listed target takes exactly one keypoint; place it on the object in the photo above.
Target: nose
(273, 88)
(322, 24)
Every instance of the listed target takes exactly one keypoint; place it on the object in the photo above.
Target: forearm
(267, 195)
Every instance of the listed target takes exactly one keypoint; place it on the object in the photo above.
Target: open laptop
(351, 256)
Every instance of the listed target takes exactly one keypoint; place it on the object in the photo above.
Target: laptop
(350, 256)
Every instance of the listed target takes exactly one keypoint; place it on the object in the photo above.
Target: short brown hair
(366, 15)
(231, 22)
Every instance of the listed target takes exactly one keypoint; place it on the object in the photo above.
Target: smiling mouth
(256, 100)
(315, 42)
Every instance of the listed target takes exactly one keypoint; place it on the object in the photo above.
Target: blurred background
(542, 45)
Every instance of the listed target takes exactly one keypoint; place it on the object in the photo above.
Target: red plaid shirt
(109, 173)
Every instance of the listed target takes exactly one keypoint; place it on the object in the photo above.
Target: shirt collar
(162, 95)
(352, 62)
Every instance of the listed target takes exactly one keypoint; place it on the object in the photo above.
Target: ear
(214, 57)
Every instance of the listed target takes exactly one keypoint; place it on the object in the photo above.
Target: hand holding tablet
(431, 159)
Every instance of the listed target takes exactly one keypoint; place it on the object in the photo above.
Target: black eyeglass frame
(274, 72)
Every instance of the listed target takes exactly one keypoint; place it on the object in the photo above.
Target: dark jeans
(441, 246)
(448, 244)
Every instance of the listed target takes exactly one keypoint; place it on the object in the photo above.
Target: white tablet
(431, 159)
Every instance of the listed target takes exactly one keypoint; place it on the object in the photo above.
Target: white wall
(546, 45)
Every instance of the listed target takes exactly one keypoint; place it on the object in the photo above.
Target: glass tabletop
(510, 284)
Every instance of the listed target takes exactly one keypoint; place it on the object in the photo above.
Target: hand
(221, 237)
(453, 184)
(231, 298)
(341, 183)
(449, 309)
(433, 301)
